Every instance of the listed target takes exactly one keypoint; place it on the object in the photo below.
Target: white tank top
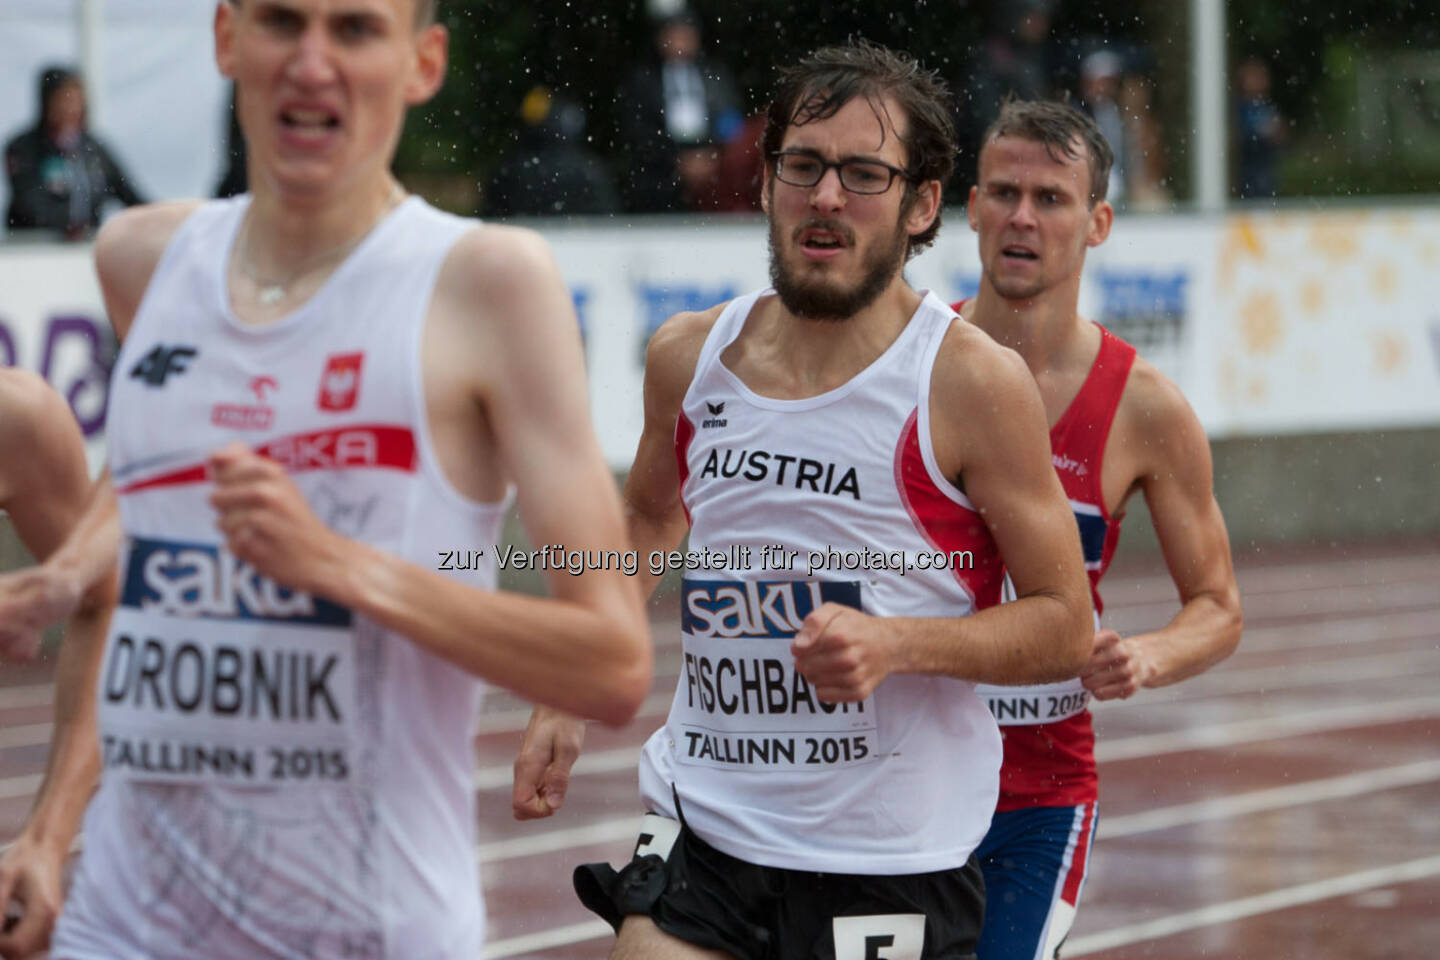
(282, 777)
(904, 782)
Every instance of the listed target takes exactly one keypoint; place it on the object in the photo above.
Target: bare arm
(654, 512)
(45, 492)
(989, 430)
(655, 520)
(584, 650)
(1177, 481)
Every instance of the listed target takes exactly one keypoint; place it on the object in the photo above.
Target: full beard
(824, 299)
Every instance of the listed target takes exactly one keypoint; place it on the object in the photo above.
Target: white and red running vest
(793, 503)
(1049, 737)
(281, 777)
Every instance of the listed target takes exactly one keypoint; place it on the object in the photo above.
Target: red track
(1284, 805)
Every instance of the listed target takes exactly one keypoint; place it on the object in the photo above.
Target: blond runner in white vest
(323, 389)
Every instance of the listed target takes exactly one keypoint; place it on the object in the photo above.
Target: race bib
(214, 674)
(741, 705)
(1043, 703)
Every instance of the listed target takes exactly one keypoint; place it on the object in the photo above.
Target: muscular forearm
(592, 660)
(650, 536)
(1036, 639)
(89, 554)
(74, 763)
(1204, 632)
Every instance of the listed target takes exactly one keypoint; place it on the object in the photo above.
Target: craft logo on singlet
(340, 383)
(247, 416)
(714, 420)
(1066, 465)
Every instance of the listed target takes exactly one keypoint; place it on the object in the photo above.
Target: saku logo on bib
(203, 580)
(757, 608)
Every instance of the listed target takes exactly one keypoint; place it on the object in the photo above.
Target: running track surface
(1284, 805)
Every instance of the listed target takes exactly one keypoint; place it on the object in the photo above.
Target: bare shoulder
(1154, 412)
(674, 350)
(28, 405)
(1152, 403)
(36, 420)
(493, 262)
(973, 369)
(127, 250)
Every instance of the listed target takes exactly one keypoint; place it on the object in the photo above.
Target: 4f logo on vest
(714, 420)
(340, 383)
(161, 363)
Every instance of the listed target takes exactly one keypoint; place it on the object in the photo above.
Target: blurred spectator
(61, 177)
(1144, 146)
(550, 170)
(676, 117)
(1018, 58)
(1261, 130)
(742, 170)
(1100, 97)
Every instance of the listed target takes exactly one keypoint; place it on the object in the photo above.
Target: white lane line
(21, 786)
(1315, 791)
(499, 776)
(1261, 801)
(496, 776)
(516, 720)
(1340, 787)
(551, 841)
(25, 735)
(27, 695)
(1364, 626)
(1358, 629)
(1282, 679)
(1229, 680)
(1263, 903)
(559, 937)
(1267, 728)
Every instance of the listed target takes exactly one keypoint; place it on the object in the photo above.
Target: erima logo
(200, 580)
(714, 420)
(726, 608)
(160, 363)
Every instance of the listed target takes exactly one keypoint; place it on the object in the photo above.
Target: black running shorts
(708, 898)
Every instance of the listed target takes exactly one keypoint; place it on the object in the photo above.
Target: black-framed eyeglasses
(801, 169)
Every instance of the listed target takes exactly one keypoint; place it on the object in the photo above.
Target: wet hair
(426, 11)
(1056, 125)
(819, 86)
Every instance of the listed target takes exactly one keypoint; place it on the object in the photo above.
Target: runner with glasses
(826, 769)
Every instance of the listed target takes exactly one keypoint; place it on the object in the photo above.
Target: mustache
(830, 226)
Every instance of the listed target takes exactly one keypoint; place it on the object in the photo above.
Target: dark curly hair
(820, 85)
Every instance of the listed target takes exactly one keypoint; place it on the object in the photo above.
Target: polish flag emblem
(340, 383)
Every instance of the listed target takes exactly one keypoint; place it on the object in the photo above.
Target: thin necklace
(272, 290)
